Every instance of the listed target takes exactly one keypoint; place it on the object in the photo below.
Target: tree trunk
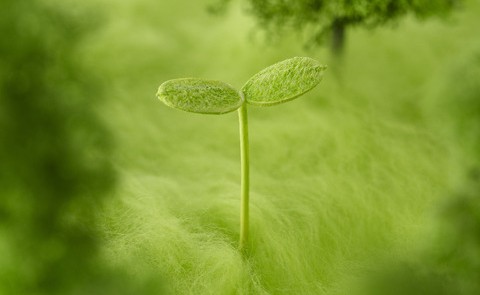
(338, 37)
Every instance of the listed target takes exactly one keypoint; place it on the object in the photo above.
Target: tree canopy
(322, 19)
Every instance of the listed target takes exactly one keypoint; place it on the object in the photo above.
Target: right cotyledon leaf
(283, 81)
(200, 96)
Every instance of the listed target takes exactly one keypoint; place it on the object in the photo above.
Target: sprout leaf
(283, 81)
(200, 96)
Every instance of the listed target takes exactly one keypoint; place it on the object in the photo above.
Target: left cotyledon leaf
(200, 96)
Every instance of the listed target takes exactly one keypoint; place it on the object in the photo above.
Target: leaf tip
(283, 81)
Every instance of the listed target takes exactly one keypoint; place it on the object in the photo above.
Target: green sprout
(276, 84)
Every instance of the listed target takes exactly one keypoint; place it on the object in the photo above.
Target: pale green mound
(200, 96)
(318, 211)
(283, 81)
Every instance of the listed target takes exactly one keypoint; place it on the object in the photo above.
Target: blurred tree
(54, 166)
(451, 264)
(322, 18)
(458, 246)
(454, 104)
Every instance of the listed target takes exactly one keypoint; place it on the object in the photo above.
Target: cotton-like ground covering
(346, 178)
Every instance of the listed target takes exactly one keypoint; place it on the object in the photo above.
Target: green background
(368, 183)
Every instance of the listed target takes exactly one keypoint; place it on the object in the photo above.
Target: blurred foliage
(454, 104)
(451, 263)
(459, 235)
(54, 165)
(321, 18)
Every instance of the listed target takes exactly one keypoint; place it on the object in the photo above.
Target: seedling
(276, 84)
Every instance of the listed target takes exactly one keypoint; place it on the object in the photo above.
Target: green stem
(245, 181)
